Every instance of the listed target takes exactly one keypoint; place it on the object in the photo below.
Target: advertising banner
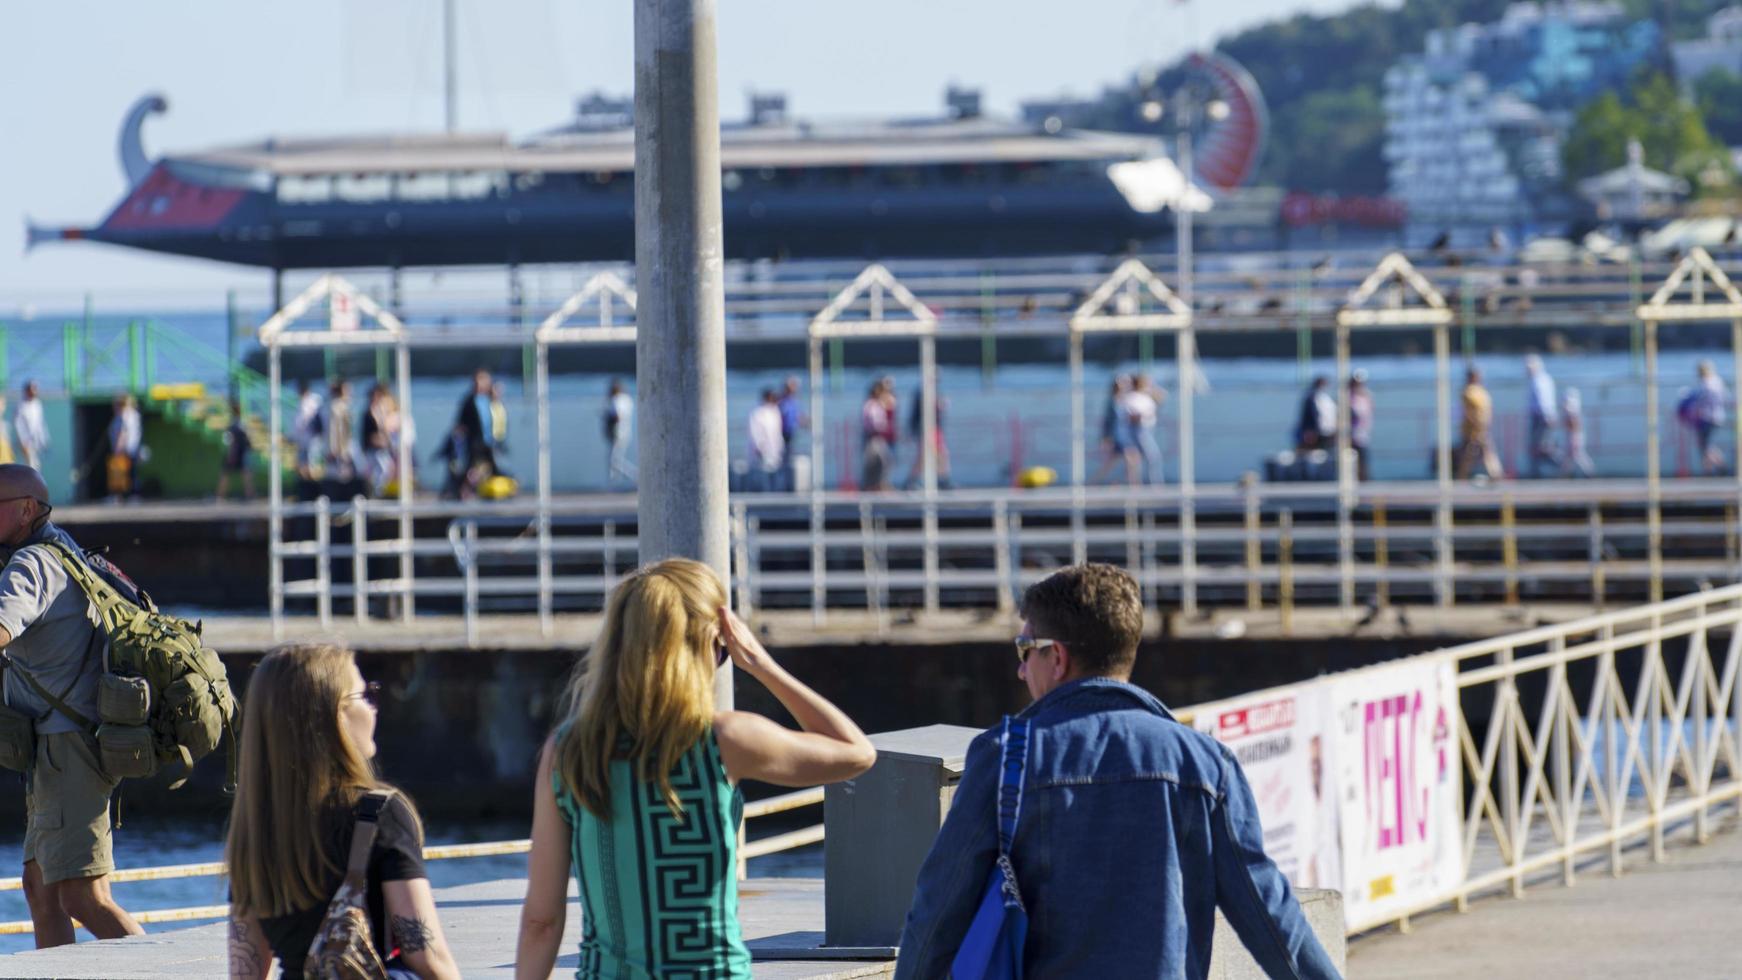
(1397, 775)
(1281, 739)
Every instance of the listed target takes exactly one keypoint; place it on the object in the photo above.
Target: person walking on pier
(1577, 461)
(32, 427)
(1477, 430)
(1542, 412)
(341, 461)
(1316, 428)
(619, 426)
(642, 756)
(306, 786)
(1360, 423)
(126, 440)
(307, 430)
(238, 449)
(792, 419)
(46, 632)
(1135, 830)
(878, 435)
(1115, 430)
(767, 446)
(1703, 411)
(1141, 407)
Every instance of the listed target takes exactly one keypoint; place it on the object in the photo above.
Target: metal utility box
(878, 829)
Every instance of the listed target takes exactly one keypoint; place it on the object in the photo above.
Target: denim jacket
(1134, 829)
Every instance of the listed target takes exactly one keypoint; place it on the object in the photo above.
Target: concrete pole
(450, 69)
(680, 348)
(1078, 458)
(928, 405)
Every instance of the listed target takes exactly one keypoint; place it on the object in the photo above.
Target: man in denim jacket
(1134, 828)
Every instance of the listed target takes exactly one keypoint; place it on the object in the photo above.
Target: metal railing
(747, 849)
(1261, 546)
(1589, 737)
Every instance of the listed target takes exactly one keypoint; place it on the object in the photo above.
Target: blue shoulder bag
(992, 949)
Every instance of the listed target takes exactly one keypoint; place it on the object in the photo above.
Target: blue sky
(241, 71)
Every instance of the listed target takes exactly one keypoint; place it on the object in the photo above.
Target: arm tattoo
(244, 955)
(412, 934)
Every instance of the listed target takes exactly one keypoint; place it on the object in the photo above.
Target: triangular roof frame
(1356, 313)
(1131, 273)
(604, 288)
(875, 284)
(277, 332)
(1694, 269)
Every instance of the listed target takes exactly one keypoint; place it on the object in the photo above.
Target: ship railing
(747, 851)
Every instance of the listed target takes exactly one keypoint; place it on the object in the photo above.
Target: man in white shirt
(767, 443)
(306, 430)
(619, 426)
(1543, 416)
(32, 428)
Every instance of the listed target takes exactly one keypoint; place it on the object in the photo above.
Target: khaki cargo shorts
(67, 798)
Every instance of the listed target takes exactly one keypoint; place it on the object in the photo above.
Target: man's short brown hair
(1095, 610)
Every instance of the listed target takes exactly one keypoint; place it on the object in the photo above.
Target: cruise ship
(960, 184)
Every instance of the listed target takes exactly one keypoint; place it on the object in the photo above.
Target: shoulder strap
(103, 596)
(57, 703)
(1013, 766)
(363, 835)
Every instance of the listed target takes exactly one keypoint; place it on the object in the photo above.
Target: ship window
(474, 184)
(305, 190)
(363, 188)
(423, 186)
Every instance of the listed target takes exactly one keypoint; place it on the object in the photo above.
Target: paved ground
(1676, 919)
(481, 922)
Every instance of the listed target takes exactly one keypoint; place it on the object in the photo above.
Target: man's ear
(1063, 659)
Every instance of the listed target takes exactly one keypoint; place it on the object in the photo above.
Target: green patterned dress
(659, 895)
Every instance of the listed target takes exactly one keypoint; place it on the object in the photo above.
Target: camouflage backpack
(163, 698)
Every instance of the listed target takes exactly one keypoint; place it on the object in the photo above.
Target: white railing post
(360, 559)
(819, 553)
(1509, 714)
(323, 561)
(470, 554)
(1001, 554)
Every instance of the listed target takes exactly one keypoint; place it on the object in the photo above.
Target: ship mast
(450, 103)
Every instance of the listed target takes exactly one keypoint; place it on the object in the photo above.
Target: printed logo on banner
(1398, 778)
(1283, 745)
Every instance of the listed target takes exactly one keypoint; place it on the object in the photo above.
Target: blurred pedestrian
(1360, 422)
(1477, 430)
(238, 449)
(877, 432)
(1141, 408)
(474, 415)
(916, 431)
(1577, 461)
(126, 440)
(5, 438)
(376, 440)
(307, 429)
(619, 418)
(1316, 425)
(1542, 412)
(792, 419)
(498, 424)
(767, 445)
(341, 458)
(1703, 410)
(32, 428)
(1115, 430)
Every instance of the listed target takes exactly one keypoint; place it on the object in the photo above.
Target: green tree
(1718, 94)
(1668, 127)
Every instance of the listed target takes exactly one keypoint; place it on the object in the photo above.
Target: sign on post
(341, 312)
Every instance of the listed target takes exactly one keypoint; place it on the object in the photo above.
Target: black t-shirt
(396, 856)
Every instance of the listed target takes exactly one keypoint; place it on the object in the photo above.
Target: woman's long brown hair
(646, 690)
(297, 767)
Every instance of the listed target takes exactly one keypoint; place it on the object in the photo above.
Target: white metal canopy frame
(354, 320)
(1394, 295)
(1684, 297)
(876, 305)
(1133, 299)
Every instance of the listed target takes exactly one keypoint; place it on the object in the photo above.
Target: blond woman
(637, 791)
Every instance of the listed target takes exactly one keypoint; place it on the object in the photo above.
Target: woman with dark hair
(638, 788)
(308, 735)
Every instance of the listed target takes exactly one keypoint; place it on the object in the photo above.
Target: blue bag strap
(1013, 766)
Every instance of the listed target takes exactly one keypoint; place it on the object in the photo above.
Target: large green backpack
(163, 699)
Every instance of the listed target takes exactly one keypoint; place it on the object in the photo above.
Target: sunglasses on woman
(371, 693)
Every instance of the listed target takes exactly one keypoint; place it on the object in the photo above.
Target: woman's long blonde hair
(646, 691)
(299, 772)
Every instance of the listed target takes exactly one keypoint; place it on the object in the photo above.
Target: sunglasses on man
(1026, 645)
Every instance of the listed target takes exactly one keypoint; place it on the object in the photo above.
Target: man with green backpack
(99, 686)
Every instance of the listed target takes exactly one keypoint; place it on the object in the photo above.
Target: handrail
(760, 847)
